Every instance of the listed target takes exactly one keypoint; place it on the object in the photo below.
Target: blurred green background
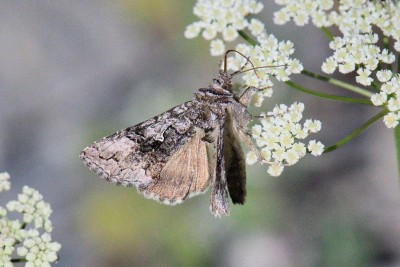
(72, 72)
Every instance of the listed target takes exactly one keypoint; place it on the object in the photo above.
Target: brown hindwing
(186, 174)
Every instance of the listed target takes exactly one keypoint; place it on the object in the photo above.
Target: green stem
(397, 141)
(339, 83)
(375, 86)
(398, 63)
(356, 132)
(328, 96)
(19, 260)
(247, 38)
(327, 33)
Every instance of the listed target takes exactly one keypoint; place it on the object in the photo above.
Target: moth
(183, 151)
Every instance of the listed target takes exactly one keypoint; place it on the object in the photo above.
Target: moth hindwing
(179, 153)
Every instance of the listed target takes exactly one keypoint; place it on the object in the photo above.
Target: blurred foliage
(344, 243)
(125, 225)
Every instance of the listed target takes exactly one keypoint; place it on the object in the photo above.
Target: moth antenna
(241, 69)
(256, 68)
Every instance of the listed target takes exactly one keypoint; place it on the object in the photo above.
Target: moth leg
(219, 196)
(246, 137)
(247, 95)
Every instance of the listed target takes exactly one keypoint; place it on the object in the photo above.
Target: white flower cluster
(30, 203)
(225, 17)
(24, 238)
(351, 16)
(278, 138)
(4, 182)
(38, 249)
(302, 10)
(273, 58)
(358, 49)
(389, 96)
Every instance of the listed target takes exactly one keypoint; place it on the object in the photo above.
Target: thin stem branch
(247, 38)
(328, 96)
(356, 132)
(375, 86)
(339, 83)
(327, 33)
(19, 260)
(398, 63)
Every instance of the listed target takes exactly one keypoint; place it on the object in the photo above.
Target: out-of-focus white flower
(316, 148)
(4, 181)
(256, 27)
(329, 66)
(217, 47)
(379, 99)
(275, 169)
(279, 136)
(193, 30)
(384, 75)
(251, 158)
(391, 120)
(363, 77)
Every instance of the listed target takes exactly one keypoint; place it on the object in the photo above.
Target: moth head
(227, 78)
(224, 81)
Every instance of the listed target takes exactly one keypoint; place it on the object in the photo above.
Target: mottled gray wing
(230, 171)
(164, 157)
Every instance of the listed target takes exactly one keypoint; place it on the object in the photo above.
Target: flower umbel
(224, 18)
(27, 240)
(279, 136)
(4, 182)
(366, 28)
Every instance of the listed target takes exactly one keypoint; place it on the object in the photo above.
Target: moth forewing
(219, 195)
(109, 158)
